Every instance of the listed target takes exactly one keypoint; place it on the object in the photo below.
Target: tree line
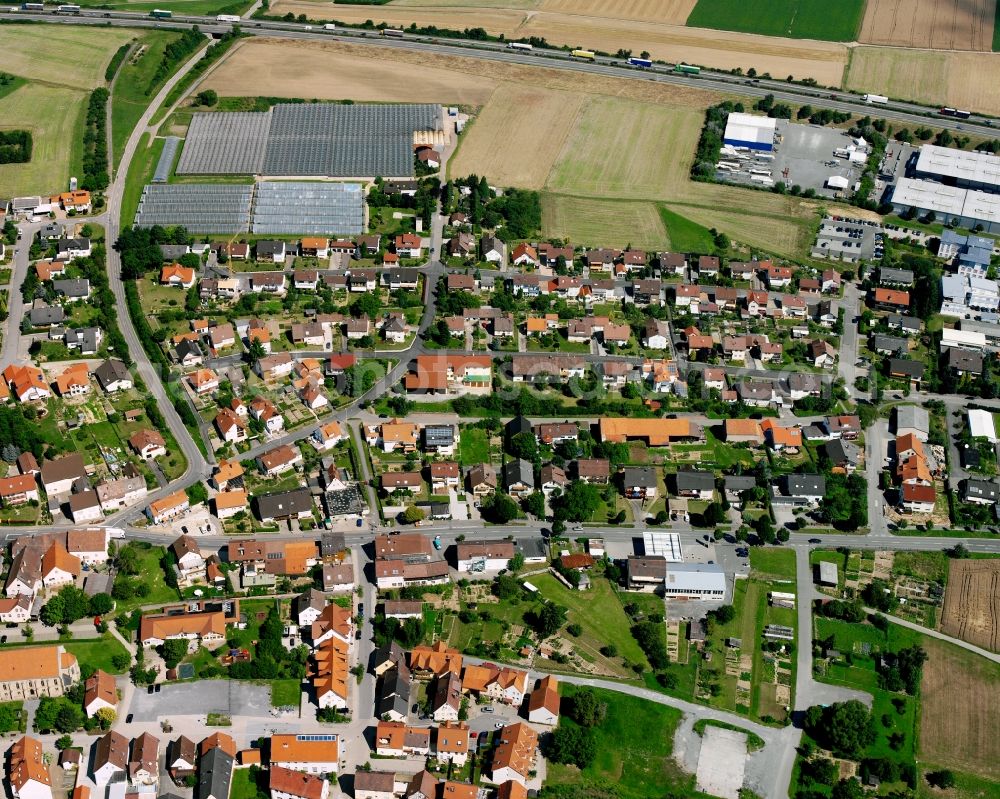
(95, 142)
(15, 146)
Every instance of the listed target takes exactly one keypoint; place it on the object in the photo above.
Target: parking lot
(803, 155)
(848, 240)
(200, 698)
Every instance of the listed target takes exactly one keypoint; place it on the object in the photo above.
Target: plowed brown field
(933, 24)
(959, 713)
(972, 603)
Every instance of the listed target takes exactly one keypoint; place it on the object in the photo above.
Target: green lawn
(826, 556)
(150, 573)
(97, 652)
(474, 446)
(798, 19)
(129, 99)
(285, 693)
(685, 235)
(599, 612)
(777, 562)
(634, 750)
(243, 785)
(11, 718)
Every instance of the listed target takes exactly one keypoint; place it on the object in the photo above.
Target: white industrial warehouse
(981, 425)
(748, 130)
(695, 581)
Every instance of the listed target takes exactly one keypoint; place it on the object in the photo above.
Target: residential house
(110, 762)
(177, 275)
(514, 755)
(148, 443)
(639, 482)
(518, 478)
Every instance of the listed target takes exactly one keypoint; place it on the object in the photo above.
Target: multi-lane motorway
(896, 111)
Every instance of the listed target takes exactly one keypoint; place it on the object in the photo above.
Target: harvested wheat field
(670, 12)
(972, 603)
(635, 165)
(604, 223)
(522, 136)
(526, 4)
(822, 61)
(959, 716)
(931, 24)
(518, 136)
(325, 71)
(961, 80)
(60, 54)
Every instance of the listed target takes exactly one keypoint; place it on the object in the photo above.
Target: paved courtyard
(722, 763)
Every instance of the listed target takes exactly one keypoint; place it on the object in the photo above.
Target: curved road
(198, 467)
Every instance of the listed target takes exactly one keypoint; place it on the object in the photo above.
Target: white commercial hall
(748, 130)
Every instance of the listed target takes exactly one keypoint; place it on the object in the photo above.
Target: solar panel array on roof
(225, 143)
(308, 208)
(166, 159)
(346, 140)
(200, 207)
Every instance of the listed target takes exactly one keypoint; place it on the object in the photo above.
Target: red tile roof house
(408, 245)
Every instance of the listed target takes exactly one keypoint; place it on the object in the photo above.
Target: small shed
(828, 573)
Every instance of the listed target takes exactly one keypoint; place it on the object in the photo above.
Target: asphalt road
(903, 112)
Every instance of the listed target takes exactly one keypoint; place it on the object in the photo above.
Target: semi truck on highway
(392, 32)
(32, 6)
(68, 9)
(586, 55)
(954, 112)
(519, 46)
(687, 69)
(875, 98)
(227, 18)
(161, 13)
(645, 63)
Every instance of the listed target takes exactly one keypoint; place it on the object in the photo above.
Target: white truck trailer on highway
(875, 98)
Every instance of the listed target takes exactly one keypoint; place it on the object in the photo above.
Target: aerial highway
(836, 99)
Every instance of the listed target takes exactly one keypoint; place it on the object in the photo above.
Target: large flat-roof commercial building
(748, 130)
(695, 581)
(961, 168)
(959, 187)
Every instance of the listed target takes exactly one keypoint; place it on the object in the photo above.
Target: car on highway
(437, 542)
(815, 540)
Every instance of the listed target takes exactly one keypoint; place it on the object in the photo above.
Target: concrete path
(808, 692)
(939, 635)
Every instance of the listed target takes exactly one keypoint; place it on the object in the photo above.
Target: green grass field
(151, 573)
(179, 7)
(777, 562)
(606, 223)
(634, 750)
(474, 446)
(600, 614)
(797, 19)
(129, 99)
(97, 652)
(285, 693)
(685, 235)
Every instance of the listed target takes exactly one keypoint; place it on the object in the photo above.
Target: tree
(578, 502)
(106, 717)
(534, 504)
(101, 604)
(845, 728)
(51, 615)
(572, 744)
(586, 709)
(525, 446)
(516, 563)
(576, 630)
(499, 508)
(550, 619)
(64, 742)
(941, 779)
(413, 514)
(366, 305)
(174, 651)
(207, 97)
(848, 789)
